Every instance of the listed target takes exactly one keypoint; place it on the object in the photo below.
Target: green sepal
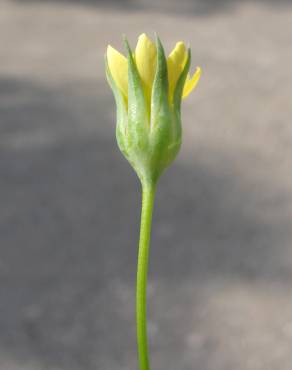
(177, 96)
(164, 143)
(137, 135)
(159, 99)
(137, 107)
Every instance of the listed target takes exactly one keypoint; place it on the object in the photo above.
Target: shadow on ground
(187, 7)
(69, 226)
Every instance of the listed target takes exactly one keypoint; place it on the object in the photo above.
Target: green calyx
(149, 136)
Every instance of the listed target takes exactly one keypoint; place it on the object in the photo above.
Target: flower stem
(148, 193)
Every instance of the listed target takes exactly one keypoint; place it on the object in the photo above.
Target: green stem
(148, 193)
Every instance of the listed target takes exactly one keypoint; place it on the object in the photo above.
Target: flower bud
(148, 89)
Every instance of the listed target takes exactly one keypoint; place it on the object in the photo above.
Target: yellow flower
(145, 59)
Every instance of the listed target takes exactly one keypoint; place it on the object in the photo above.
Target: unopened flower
(148, 89)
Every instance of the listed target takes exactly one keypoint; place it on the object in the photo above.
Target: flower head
(148, 89)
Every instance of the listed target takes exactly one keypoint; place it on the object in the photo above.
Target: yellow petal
(175, 64)
(145, 57)
(118, 66)
(191, 83)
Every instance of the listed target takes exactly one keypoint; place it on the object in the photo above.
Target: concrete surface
(220, 295)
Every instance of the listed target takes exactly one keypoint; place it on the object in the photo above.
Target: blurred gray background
(220, 292)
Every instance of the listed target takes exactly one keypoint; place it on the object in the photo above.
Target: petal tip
(143, 40)
(109, 48)
(198, 72)
(191, 83)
